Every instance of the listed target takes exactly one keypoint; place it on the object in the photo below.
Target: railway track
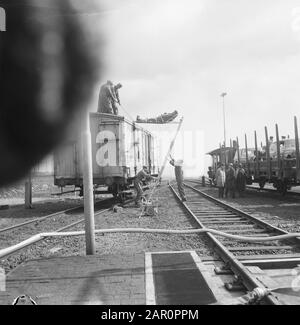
(106, 205)
(209, 212)
(62, 213)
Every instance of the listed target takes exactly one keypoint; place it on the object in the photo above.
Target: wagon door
(65, 165)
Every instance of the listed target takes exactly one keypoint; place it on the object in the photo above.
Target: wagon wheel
(81, 191)
(121, 197)
(114, 190)
(262, 184)
(282, 187)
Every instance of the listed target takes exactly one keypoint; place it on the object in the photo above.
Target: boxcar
(119, 150)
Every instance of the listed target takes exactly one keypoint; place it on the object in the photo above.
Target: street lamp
(223, 95)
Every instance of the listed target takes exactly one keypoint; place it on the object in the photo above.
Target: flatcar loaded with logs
(276, 162)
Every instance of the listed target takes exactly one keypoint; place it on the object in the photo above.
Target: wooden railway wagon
(277, 162)
(119, 150)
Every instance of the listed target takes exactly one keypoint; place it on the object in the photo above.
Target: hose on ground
(32, 240)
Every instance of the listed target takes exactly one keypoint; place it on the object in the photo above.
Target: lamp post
(223, 95)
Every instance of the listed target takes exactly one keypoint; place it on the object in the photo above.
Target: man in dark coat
(211, 175)
(241, 181)
(230, 181)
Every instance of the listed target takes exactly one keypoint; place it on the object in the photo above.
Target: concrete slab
(82, 280)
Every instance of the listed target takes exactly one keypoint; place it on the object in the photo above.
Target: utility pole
(28, 192)
(88, 192)
(224, 120)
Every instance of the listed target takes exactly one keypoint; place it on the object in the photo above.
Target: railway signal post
(88, 187)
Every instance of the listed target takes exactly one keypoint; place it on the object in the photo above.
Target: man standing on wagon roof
(106, 98)
(115, 91)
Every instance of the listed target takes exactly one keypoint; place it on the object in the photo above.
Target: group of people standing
(230, 179)
(109, 98)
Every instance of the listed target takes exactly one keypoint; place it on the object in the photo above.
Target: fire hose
(9, 250)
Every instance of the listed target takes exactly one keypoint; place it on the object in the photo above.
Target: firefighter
(115, 91)
(140, 176)
(106, 99)
(179, 177)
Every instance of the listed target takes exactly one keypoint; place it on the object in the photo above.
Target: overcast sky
(182, 54)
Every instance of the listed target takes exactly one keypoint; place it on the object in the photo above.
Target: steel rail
(236, 266)
(262, 223)
(19, 225)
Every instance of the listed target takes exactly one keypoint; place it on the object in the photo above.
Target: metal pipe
(88, 188)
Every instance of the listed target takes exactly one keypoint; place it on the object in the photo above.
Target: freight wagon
(120, 149)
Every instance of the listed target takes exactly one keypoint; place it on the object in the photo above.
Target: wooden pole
(278, 151)
(28, 192)
(247, 158)
(268, 153)
(221, 153)
(256, 156)
(297, 148)
(88, 187)
(170, 149)
(238, 149)
(164, 165)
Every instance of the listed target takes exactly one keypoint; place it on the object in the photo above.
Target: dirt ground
(170, 216)
(280, 211)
